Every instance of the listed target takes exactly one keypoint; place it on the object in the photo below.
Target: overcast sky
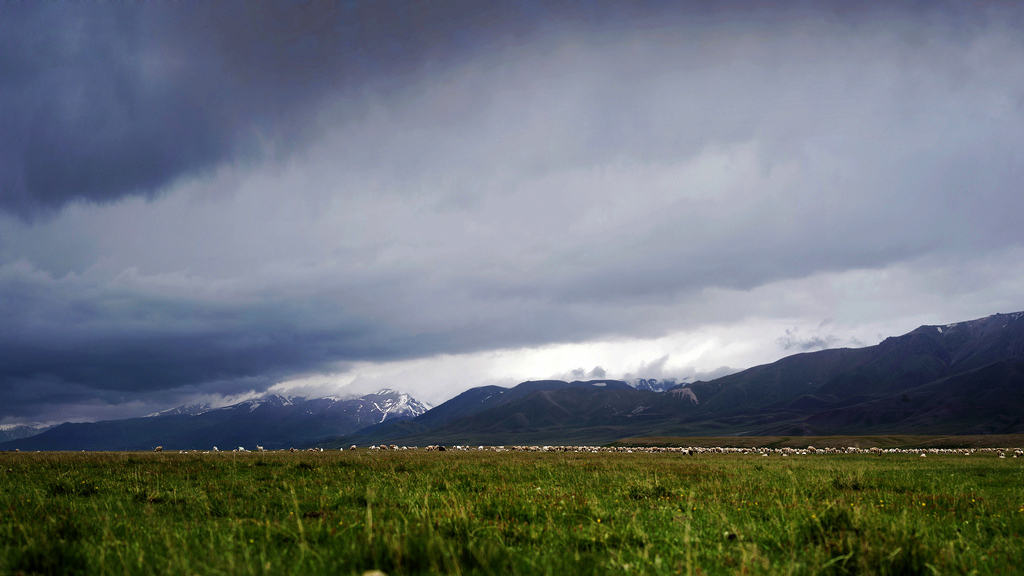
(204, 202)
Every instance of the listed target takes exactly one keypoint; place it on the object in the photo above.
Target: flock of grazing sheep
(1000, 452)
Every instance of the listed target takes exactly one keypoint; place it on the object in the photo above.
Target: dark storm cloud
(94, 107)
(98, 101)
(464, 177)
(62, 338)
(102, 101)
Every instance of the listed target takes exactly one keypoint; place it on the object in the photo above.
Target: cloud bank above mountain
(216, 200)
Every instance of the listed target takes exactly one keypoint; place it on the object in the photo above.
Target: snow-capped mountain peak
(392, 403)
(276, 420)
(18, 431)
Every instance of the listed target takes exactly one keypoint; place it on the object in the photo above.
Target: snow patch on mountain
(686, 393)
(185, 409)
(654, 384)
(272, 400)
(977, 328)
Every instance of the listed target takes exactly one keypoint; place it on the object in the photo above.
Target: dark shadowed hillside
(962, 378)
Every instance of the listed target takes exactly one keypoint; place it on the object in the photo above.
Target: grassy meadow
(412, 512)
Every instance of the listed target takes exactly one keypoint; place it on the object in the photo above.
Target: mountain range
(961, 378)
(20, 431)
(271, 421)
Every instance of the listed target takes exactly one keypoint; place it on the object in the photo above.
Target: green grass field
(501, 513)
